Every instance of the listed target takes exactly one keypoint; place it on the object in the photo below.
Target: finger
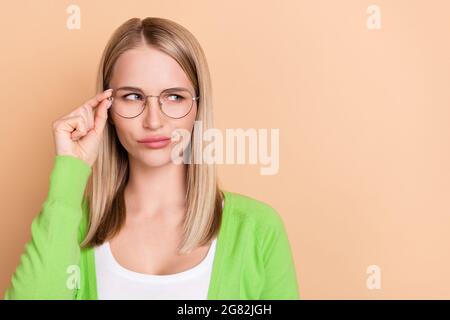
(93, 102)
(81, 128)
(101, 115)
(89, 117)
(74, 126)
(83, 112)
(68, 124)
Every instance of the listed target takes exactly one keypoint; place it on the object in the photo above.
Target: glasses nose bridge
(147, 100)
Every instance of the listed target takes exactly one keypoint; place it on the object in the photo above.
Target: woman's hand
(80, 132)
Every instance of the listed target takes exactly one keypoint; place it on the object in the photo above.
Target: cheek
(188, 124)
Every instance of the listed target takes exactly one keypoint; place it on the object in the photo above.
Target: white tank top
(116, 282)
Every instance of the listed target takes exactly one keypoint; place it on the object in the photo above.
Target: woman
(122, 219)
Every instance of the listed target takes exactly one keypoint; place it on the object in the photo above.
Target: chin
(156, 158)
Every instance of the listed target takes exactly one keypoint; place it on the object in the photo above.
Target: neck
(152, 191)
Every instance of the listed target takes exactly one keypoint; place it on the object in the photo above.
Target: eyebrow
(139, 89)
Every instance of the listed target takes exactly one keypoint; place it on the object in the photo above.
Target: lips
(154, 139)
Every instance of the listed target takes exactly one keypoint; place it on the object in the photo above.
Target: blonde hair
(105, 187)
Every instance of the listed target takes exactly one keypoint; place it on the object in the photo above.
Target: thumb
(101, 115)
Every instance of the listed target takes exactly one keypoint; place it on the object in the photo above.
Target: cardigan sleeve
(280, 280)
(49, 265)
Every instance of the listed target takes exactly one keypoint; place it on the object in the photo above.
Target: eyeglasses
(174, 103)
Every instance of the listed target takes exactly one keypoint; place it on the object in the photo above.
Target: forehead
(149, 69)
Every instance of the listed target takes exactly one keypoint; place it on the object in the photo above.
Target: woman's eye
(175, 97)
(134, 95)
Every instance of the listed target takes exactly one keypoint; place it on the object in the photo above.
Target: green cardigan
(253, 258)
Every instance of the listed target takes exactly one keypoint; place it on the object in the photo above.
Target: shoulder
(256, 212)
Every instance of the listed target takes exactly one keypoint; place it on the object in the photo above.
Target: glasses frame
(159, 103)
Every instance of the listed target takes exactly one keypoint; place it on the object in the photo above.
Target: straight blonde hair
(105, 187)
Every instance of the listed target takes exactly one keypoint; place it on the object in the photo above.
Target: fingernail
(108, 90)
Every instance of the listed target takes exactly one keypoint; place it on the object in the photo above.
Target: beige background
(363, 114)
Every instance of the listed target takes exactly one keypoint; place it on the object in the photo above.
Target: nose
(152, 114)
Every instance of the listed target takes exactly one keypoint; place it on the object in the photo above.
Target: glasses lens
(176, 104)
(127, 103)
